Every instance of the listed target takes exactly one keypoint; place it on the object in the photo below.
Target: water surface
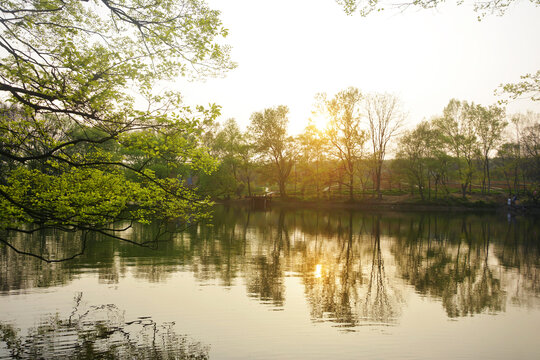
(282, 284)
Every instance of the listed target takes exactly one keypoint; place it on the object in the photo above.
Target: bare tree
(385, 118)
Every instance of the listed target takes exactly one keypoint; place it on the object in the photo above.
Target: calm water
(283, 284)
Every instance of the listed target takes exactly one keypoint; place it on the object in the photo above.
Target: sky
(287, 51)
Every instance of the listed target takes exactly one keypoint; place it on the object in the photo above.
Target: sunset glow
(318, 271)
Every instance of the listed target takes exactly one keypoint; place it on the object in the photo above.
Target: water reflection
(99, 332)
(355, 267)
(452, 260)
(353, 287)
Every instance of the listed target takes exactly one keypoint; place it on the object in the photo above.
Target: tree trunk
(429, 187)
(351, 188)
(508, 185)
(282, 190)
(317, 178)
(421, 191)
(488, 176)
(378, 180)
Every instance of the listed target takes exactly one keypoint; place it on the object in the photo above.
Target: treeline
(365, 151)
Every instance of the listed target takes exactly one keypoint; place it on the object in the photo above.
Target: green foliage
(344, 130)
(234, 151)
(88, 186)
(311, 165)
(85, 140)
(528, 87)
(366, 7)
(458, 136)
(269, 128)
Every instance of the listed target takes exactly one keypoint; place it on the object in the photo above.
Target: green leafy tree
(365, 7)
(457, 132)
(314, 145)
(515, 153)
(78, 78)
(247, 164)
(344, 131)
(226, 145)
(414, 149)
(489, 124)
(509, 156)
(423, 158)
(532, 153)
(269, 127)
(528, 87)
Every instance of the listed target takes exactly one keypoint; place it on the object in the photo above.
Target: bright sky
(289, 50)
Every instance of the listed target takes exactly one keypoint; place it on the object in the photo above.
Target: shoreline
(388, 205)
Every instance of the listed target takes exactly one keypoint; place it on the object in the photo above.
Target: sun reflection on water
(318, 271)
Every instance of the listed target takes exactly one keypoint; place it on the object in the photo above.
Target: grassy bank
(401, 203)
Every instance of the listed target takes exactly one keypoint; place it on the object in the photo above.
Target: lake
(282, 284)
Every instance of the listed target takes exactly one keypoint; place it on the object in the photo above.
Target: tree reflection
(520, 255)
(353, 265)
(454, 266)
(332, 291)
(353, 288)
(100, 332)
(20, 272)
(381, 303)
(264, 278)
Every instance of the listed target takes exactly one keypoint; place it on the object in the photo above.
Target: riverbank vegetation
(469, 154)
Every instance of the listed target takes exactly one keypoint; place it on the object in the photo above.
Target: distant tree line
(364, 151)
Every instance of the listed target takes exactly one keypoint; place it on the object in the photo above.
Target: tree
(414, 149)
(509, 156)
(225, 142)
(423, 158)
(365, 7)
(488, 125)
(344, 132)
(517, 152)
(313, 144)
(77, 77)
(531, 142)
(269, 127)
(385, 118)
(247, 166)
(457, 131)
(528, 87)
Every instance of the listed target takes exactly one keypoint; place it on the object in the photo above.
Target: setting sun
(320, 121)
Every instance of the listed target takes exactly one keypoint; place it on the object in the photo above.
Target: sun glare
(318, 271)
(320, 121)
